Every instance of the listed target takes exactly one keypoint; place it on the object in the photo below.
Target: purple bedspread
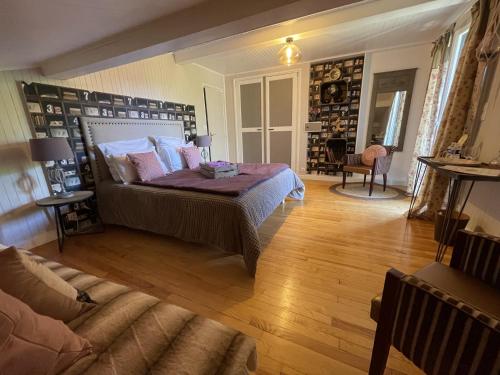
(250, 175)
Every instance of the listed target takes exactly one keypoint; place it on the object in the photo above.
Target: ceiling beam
(309, 27)
(202, 23)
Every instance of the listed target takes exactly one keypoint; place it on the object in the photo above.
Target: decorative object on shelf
(334, 96)
(334, 92)
(204, 141)
(53, 150)
(333, 75)
(338, 128)
(289, 54)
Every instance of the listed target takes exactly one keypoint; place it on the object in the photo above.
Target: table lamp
(204, 141)
(53, 149)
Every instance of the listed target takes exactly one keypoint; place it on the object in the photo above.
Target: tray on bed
(219, 169)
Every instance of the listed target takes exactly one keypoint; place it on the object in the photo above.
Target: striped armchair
(381, 166)
(446, 320)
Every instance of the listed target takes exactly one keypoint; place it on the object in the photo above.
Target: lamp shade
(204, 141)
(50, 149)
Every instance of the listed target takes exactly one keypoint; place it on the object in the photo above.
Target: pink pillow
(147, 165)
(372, 152)
(192, 156)
(35, 344)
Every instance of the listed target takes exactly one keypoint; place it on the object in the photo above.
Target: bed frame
(99, 130)
(226, 222)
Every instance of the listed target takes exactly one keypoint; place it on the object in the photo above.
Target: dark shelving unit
(338, 111)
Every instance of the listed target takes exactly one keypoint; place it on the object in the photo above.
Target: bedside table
(57, 203)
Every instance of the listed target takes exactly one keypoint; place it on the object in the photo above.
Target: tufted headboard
(98, 130)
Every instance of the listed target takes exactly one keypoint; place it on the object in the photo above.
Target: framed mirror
(390, 104)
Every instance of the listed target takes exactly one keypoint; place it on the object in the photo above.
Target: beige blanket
(135, 333)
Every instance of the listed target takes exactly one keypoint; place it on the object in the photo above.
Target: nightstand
(57, 203)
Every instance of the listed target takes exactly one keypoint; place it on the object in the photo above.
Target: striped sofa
(134, 333)
(446, 320)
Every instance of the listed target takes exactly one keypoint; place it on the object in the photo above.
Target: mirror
(391, 98)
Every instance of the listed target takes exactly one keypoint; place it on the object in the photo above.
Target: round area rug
(356, 190)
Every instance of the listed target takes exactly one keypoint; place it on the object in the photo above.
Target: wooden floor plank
(308, 306)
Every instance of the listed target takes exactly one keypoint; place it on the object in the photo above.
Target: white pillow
(172, 156)
(168, 141)
(129, 146)
(126, 146)
(126, 171)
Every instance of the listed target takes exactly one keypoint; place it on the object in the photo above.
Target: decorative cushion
(124, 147)
(192, 156)
(372, 152)
(147, 165)
(35, 344)
(124, 168)
(37, 286)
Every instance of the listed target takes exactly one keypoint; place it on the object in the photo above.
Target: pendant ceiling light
(289, 54)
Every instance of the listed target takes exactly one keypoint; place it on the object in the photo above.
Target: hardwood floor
(308, 307)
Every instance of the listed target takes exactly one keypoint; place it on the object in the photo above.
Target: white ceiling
(73, 37)
(32, 31)
(347, 31)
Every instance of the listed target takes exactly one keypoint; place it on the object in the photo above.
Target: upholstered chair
(445, 319)
(381, 166)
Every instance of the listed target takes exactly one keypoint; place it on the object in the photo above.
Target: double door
(266, 118)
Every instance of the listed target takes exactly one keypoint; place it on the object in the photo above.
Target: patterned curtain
(461, 107)
(432, 111)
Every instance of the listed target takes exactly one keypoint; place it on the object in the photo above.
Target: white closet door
(250, 120)
(281, 117)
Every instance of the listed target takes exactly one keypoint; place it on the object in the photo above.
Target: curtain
(432, 110)
(461, 107)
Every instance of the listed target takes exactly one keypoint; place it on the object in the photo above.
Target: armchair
(381, 166)
(446, 320)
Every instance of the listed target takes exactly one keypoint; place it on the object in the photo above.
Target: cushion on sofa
(34, 344)
(39, 287)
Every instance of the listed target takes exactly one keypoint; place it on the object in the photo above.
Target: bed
(227, 222)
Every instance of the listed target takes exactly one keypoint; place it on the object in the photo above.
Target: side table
(57, 203)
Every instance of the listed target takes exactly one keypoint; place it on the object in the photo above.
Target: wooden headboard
(99, 130)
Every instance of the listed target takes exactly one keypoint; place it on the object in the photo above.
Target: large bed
(227, 222)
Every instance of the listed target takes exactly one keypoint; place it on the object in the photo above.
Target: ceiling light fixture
(289, 54)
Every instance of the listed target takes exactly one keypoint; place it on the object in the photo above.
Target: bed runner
(251, 174)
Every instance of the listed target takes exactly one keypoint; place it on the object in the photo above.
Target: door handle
(259, 129)
(271, 129)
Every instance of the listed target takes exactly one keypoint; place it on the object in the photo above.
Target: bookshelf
(334, 96)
